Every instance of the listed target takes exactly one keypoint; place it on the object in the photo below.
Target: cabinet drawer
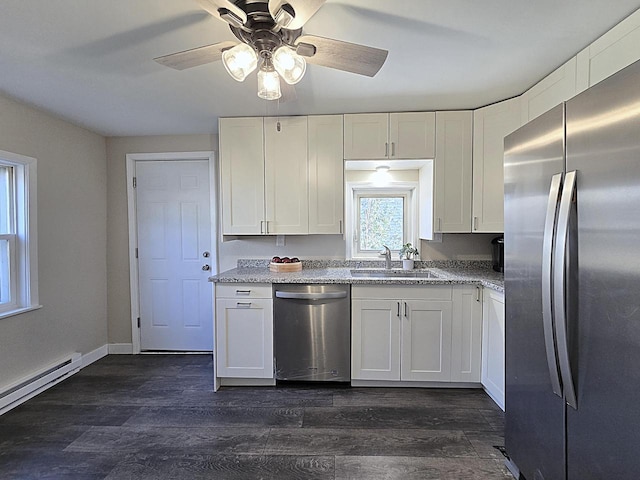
(423, 292)
(243, 290)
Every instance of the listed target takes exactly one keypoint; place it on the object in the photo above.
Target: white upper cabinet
(490, 125)
(615, 50)
(373, 136)
(242, 175)
(412, 135)
(326, 174)
(555, 88)
(286, 172)
(366, 136)
(453, 172)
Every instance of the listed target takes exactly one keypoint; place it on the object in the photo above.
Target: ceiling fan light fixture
(268, 82)
(240, 61)
(289, 64)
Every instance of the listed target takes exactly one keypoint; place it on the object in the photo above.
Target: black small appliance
(497, 249)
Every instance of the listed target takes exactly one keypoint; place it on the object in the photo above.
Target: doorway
(172, 251)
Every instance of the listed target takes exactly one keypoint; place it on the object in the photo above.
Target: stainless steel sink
(393, 273)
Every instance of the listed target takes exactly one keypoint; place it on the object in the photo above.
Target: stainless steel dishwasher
(312, 332)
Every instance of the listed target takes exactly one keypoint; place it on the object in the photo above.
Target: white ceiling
(90, 61)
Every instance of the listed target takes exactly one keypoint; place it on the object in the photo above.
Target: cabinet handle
(243, 292)
(243, 304)
(261, 227)
(477, 294)
(340, 226)
(405, 309)
(439, 222)
(267, 230)
(475, 223)
(398, 314)
(393, 149)
(386, 149)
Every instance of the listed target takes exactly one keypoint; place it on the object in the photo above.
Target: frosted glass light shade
(240, 61)
(289, 64)
(268, 84)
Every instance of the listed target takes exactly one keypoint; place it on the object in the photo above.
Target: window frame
(356, 190)
(23, 243)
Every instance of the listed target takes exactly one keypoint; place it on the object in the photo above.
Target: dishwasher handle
(310, 296)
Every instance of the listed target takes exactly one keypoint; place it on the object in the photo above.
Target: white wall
(72, 211)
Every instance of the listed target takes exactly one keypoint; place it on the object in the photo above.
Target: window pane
(5, 275)
(5, 199)
(381, 222)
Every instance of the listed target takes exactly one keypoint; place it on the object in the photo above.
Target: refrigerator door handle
(559, 281)
(547, 264)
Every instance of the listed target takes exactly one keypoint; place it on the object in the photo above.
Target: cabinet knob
(206, 268)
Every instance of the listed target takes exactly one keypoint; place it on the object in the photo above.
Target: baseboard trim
(29, 386)
(120, 349)
(412, 384)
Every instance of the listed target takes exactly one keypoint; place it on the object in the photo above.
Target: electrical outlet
(279, 240)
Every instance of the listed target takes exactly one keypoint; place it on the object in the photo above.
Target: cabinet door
(426, 340)
(490, 125)
(326, 174)
(242, 175)
(412, 135)
(555, 88)
(286, 172)
(375, 340)
(466, 336)
(366, 136)
(613, 51)
(453, 172)
(493, 346)
(244, 338)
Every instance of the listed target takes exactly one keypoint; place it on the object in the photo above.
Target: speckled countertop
(336, 271)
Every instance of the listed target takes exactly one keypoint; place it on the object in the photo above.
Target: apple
(285, 260)
(295, 260)
(276, 260)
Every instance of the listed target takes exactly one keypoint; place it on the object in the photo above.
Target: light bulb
(240, 61)
(289, 64)
(268, 83)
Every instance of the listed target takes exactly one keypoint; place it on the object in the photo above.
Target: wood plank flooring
(156, 417)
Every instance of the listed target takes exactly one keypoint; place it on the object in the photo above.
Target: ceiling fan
(270, 32)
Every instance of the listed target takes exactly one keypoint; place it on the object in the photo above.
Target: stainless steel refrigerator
(572, 286)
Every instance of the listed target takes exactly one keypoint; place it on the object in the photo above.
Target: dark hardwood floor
(156, 417)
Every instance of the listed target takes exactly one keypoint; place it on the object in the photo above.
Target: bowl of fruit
(285, 264)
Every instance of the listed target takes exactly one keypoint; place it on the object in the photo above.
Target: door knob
(206, 267)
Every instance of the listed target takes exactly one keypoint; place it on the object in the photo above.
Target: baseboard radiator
(28, 387)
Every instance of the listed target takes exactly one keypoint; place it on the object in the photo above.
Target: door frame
(132, 158)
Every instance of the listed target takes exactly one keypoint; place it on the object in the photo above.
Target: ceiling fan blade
(195, 56)
(225, 10)
(296, 12)
(340, 55)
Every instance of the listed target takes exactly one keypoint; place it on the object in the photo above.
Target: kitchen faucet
(387, 257)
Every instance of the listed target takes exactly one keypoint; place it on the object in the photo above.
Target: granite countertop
(335, 271)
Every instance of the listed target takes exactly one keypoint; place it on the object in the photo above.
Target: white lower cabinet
(466, 334)
(244, 331)
(493, 337)
(421, 333)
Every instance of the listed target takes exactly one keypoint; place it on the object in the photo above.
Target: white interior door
(174, 243)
